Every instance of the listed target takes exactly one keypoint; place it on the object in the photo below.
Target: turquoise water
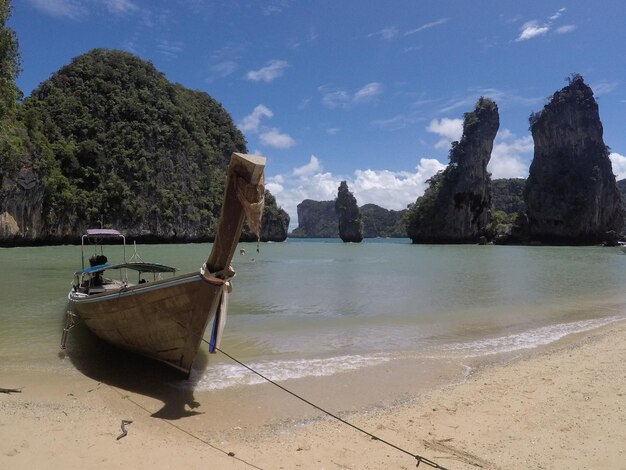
(319, 307)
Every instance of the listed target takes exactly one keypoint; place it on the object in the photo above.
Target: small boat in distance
(163, 315)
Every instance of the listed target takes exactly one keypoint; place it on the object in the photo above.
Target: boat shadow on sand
(107, 364)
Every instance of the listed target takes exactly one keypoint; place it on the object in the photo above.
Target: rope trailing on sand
(190, 434)
(124, 431)
(420, 459)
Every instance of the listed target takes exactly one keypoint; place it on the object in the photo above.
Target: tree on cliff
(455, 206)
(348, 215)
(571, 194)
(14, 138)
(9, 63)
(131, 149)
(507, 194)
(381, 222)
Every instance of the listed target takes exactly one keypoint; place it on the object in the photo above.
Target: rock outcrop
(21, 201)
(275, 221)
(348, 215)
(571, 195)
(456, 206)
(316, 219)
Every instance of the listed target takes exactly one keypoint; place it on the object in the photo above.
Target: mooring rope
(183, 430)
(420, 459)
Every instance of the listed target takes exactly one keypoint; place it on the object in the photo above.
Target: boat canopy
(96, 236)
(94, 269)
(141, 267)
(103, 233)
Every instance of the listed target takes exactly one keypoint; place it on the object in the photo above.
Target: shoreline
(560, 405)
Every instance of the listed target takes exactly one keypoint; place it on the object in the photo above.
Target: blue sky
(363, 91)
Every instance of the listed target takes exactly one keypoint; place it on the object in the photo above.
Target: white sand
(560, 407)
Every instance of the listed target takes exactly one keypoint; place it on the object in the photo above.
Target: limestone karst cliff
(108, 140)
(316, 219)
(275, 221)
(455, 207)
(571, 194)
(348, 215)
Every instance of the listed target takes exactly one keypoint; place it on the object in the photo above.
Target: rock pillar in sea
(348, 215)
(455, 208)
(571, 195)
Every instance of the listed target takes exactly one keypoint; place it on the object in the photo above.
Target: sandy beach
(560, 406)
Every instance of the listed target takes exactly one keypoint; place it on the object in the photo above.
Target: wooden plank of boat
(166, 319)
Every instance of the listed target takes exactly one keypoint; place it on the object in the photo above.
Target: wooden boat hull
(163, 320)
(166, 319)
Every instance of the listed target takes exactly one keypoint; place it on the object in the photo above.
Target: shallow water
(309, 308)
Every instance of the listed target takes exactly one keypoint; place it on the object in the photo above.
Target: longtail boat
(163, 315)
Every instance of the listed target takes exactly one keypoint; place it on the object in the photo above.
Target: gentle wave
(527, 339)
(221, 376)
(226, 375)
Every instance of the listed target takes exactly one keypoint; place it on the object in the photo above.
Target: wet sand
(560, 406)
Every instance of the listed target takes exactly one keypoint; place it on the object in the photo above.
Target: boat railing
(98, 235)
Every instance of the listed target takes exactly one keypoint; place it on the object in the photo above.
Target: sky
(370, 92)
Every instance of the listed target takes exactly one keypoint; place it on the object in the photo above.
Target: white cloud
(268, 73)
(120, 7)
(274, 138)
(392, 32)
(510, 155)
(77, 9)
(448, 130)
(252, 121)
(387, 33)
(225, 68)
(333, 130)
(72, 9)
(271, 137)
(568, 28)
(603, 87)
(367, 92)
(309, 169)
(432, 24)
(399, 121)
(558, 14)
(274, 7)
(531, 30)
(170, 49)
(333, 98)
(618, 162)
(392, 190)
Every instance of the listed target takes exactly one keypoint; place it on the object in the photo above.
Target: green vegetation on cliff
(130, 149)
(12, 133)
(507, 194)
(381, 222)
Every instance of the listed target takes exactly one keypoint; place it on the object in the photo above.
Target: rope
(417, 457)
(190, 434)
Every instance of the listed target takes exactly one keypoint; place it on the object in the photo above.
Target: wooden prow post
(245, 176)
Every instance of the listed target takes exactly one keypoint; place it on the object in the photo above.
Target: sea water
(309, 308)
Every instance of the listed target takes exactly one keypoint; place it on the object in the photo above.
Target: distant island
(570, 197)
